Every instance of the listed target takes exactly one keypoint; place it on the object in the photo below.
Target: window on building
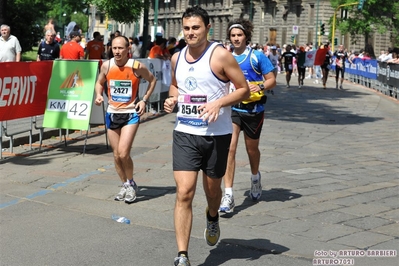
(311, 15)
(274, 11)
(298, 13)
(285, 13)
(262, 19)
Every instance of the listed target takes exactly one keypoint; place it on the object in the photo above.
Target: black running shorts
(206, 153)
(250, 123)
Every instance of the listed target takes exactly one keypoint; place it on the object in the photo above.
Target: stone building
(276, 21)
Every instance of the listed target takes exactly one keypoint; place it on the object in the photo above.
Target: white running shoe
(122, 193)
(227, 205)
(256, 189)
(131, 193)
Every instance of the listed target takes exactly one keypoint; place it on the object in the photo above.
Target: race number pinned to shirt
(188, 109)
(121, 90)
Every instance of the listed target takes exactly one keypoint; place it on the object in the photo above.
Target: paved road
(330, 183)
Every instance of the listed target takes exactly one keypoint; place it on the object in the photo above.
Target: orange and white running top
(123, 85)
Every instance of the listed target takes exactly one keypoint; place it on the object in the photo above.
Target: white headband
(236, 26)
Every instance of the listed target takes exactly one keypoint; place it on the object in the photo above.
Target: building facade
(275, 21)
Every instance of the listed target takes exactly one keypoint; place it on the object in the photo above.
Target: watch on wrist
(261, 86)
(144, 100)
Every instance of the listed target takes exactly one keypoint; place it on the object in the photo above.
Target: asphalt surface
(330, 184)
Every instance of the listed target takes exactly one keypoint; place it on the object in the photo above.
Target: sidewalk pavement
(330, 183)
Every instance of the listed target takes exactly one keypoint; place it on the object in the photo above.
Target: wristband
(145, 101)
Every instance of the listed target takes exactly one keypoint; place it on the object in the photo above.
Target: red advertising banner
(23, 88)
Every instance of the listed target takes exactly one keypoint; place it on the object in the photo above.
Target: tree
(124, 11)
(22, 17)
(376, 16)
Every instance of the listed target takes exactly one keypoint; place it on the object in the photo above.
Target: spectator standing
(388, 55)
(49, 26)
(136, 48)
(180, 45)
(158, 50)
(49, 49)
(95, 48)
(248, 115)
(122, 76)
(10, 49)
(201, 74)
(72, 49)
(172, 45)
(274, 58)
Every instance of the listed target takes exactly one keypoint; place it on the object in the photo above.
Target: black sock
(212, 219)
(184, 253)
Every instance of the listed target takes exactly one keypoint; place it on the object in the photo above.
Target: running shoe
(227, 205)
(131, 193)
(341, 87)
(182, 261)
(336, 86)
(299, 86)
(324, 86)
(122, 193)
(212, 231)
(256, 189)
(288, 85)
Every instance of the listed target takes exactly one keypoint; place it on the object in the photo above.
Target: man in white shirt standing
(10, 49)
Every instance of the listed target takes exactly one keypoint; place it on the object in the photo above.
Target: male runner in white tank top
(201, 75)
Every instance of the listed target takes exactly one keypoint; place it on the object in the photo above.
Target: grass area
(30, 56)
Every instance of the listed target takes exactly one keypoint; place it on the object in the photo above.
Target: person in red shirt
(95, 48)
(158, 50)
(72, 49)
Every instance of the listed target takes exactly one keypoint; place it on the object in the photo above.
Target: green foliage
(376, 16)
(123, 11)
(30, 55)
(24, 17)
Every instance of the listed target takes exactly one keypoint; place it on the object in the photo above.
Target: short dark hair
(197, 11)
(95, 34)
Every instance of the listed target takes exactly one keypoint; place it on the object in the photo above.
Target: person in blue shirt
(248, 115)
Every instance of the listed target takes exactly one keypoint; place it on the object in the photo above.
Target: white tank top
(197, 84)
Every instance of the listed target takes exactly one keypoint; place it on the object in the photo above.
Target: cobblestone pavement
(330, 191)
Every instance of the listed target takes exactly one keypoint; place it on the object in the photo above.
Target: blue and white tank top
(197, 84)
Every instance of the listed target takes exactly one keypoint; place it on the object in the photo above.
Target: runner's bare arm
(99, 87)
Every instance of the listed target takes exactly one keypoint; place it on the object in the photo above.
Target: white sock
(126, 184)
(228, 190)
(255, 177)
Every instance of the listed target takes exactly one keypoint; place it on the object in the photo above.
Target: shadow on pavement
(309, 105)
(149, 192)
(274, 194)
(251, 250)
